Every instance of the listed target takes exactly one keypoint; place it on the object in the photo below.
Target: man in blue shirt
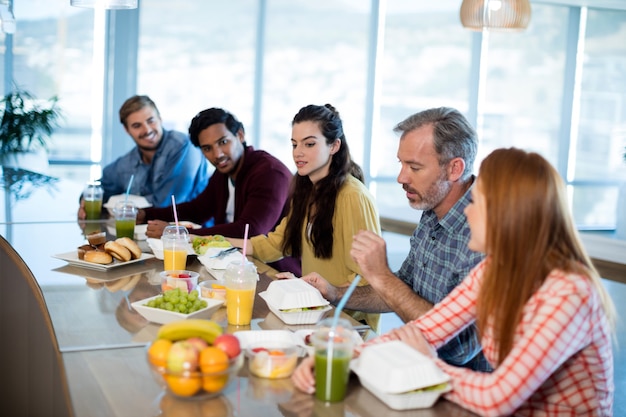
(436, 153)
(164, 162)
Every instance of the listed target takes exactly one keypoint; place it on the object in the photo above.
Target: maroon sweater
(261, 192)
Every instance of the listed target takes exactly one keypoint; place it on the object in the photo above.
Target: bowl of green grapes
(175, 304)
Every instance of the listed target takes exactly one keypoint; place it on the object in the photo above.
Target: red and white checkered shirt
(561, 363)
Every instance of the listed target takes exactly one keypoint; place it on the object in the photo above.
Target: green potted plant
(26, 125)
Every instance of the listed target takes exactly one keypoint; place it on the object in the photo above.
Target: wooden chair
(31, 366)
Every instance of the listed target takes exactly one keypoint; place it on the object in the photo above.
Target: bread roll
(130, 244)
(117, 251)
(98, 257)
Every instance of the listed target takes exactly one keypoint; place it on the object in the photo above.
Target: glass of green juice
(125, 213)
(333, 352)
(92, 197)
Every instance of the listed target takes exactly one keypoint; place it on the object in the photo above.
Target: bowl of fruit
(174, 305)
(194, 359)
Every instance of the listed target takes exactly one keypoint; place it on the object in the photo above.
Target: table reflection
(31, 196)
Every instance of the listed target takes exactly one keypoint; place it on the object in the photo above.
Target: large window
(599, 135)
(557, 88)
(426, 63)
(53, 55)
(315, 53)
(198, 54)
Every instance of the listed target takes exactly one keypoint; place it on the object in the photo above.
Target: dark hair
(454, 136)
(306, 196)
(210, 117)
(134, 104)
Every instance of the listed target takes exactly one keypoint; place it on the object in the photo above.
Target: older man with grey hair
(436, 153)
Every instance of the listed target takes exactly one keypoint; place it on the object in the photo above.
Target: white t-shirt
(230, 205)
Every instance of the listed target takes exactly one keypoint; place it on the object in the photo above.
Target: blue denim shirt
(178, 168)
(438, 261)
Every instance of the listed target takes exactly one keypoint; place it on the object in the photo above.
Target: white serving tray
(72, 259)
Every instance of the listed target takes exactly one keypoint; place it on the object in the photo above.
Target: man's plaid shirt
(438, 261)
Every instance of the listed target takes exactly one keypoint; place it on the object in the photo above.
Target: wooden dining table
(103, 339)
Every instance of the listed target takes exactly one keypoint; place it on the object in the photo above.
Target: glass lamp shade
(500, 15)
(105, 4)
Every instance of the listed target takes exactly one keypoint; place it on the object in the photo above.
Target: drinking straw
(175, 213)
(245, 245)
(344, 300)
(130, 182)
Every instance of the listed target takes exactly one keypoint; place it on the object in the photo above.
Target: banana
(184, 329)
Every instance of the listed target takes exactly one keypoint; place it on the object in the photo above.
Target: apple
(198, 342)
(229, 344)
(182, 356)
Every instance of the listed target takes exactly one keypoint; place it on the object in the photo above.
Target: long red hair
(529, 233)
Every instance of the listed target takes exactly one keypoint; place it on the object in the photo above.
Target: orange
(157, 352)
(214, 383)
(213, 359)
(185, 386)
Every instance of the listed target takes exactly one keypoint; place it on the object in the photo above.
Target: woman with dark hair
(328, 203)
(544, 317)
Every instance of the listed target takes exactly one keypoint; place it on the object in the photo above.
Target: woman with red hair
(544, 318)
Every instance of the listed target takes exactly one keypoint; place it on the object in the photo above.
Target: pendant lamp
(498, 15)
(105, 4)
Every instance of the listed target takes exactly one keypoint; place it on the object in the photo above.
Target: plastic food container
(185, 280)
(400, 376)
(273, 360)
(251, 338)
(213, 289)
(295, 301)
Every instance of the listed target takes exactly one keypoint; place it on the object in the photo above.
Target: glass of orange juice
(175, 246)
(240, 280)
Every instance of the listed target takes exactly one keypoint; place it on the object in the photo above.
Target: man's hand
(327, 290)
(155, 228)
(82, 214)
(141, 216)
(369, 251)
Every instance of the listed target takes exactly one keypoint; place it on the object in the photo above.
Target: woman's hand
(303, 377)
(412, 336)
(327, 290)
(285, 275)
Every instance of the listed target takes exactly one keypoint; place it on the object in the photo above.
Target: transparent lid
(93, 191)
